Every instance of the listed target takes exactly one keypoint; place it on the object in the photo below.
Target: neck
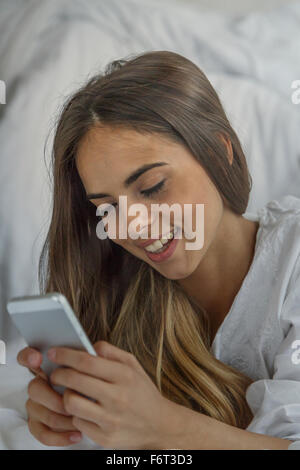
(219, 276)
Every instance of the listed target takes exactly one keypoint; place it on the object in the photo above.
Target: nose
(139, 224)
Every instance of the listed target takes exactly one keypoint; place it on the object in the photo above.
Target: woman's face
(105, 159)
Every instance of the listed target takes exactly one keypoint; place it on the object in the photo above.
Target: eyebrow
(131, 178)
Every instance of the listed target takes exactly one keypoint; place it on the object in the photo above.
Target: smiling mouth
(159, 245)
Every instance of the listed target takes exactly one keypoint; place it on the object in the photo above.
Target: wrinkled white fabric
(251, 60)
(257, 335)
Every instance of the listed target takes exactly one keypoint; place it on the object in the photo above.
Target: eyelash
(149, 192)
(154, 189)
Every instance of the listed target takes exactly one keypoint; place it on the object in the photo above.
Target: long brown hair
(118, 297)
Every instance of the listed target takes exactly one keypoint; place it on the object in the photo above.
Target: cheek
(207, 209)
(213, 211)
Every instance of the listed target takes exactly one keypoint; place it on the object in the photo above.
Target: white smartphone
(46, 321)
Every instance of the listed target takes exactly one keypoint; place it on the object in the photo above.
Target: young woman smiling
(151, 128)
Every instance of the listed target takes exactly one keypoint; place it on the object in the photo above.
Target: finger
(55, 421)
(83, 408)
(40, 373)
(30, 358)
(85, 384)
(93, 432)
(41, 392)
(84, 362)
(113, 353)
(51, 438)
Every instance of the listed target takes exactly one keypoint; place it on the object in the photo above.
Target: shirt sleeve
(275, 402)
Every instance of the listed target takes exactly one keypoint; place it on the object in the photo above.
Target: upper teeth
(158, 244)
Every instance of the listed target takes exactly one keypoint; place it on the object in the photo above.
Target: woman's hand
(48, 420)
(128, 411)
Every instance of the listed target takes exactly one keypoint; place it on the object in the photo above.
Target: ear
(228, 144)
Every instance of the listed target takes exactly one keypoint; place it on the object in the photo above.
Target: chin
(176, 272)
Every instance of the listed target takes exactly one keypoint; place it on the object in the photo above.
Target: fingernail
(51, 353)
(75, 437)
(32, 359)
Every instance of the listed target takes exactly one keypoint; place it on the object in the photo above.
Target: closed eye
(154, 189)
(146, 192)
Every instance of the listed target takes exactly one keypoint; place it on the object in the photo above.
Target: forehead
(108, 148)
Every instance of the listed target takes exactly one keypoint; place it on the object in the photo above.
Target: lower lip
(158, 257)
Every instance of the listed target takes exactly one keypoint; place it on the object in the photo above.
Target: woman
(152, 129)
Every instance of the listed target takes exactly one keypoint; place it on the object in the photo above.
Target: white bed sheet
(48, 48)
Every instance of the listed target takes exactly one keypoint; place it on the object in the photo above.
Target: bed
(49, 48)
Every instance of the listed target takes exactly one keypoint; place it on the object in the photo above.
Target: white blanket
(47, 49)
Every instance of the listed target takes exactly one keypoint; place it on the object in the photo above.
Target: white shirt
(257, 335)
